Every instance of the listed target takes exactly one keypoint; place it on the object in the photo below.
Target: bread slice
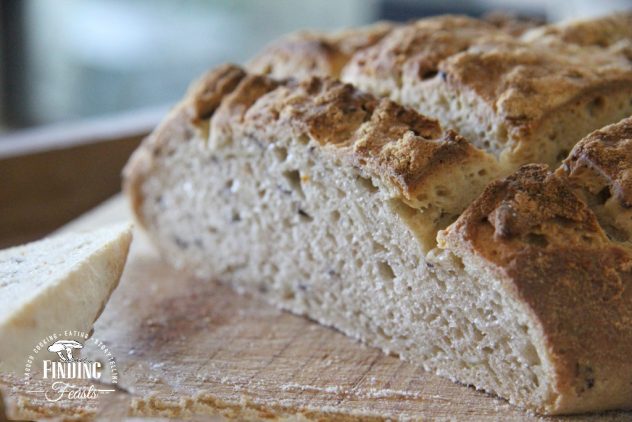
(524, 98)
(55, 285)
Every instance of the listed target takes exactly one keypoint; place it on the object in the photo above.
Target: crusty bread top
(512, 23)
(414, 51)
(524, 83)
(604, 159)
(600, 32)
(386, 140)
(207, 93)
(541, 239)
(305, 54)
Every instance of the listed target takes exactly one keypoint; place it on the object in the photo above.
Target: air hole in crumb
(429, 74)
(280, 153)
(335, 216)
(293, 178)
(378, 247)
(367, 184)
(303, 139)
(595, 106)
(305, 217)
(235, 217)
(386, 271)
(232, 185)
(482, 172)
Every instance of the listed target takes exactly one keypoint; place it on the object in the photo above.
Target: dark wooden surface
(49, 176)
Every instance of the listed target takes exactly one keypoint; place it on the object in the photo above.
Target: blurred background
(83, 81)
(68, 59)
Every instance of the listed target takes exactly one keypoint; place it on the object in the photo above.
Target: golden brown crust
(379, 136)
(523, 83)
(603, 159)
(598, 32)
(548, 248)
(512, 23)
(414, 51)
(305, 54)
(207, 93)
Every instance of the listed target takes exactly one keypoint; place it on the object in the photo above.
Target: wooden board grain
(189, 348)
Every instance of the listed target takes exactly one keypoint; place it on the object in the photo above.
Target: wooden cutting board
(192, 348)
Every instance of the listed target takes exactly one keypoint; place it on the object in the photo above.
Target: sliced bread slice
(55, 285)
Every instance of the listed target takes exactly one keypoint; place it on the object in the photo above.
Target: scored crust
(526, 102)
(599, 168)
(405, 154)
(526, 98)
(606, 31)
(537, 236)
(386, 140)
(306, 53)
(413, 53)
(528, 88)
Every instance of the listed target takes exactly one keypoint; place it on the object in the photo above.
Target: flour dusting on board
(369, 393)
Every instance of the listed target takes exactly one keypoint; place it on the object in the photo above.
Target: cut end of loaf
(535, 235)
(599, 169)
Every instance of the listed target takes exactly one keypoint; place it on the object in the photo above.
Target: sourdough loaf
(525, 98)
(326, 201)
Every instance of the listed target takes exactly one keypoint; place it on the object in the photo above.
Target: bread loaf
(525, 99)
(326, 201)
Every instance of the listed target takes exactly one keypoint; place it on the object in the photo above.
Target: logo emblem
(68, 375)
